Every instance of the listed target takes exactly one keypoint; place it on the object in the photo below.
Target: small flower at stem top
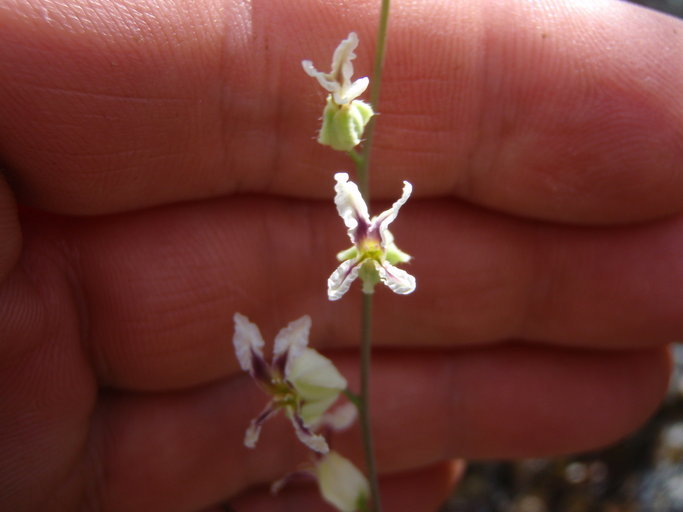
(301, 382)
(344, 116)
(374, 253)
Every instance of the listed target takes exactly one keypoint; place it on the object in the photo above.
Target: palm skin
(161, 174)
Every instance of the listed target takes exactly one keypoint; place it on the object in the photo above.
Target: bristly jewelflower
(344, 116)
(301, 382)
(374, 253)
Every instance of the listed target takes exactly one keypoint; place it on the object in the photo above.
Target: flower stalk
(364, 409)
(362, 163)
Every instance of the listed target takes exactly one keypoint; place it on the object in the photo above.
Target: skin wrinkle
(493, 263)
(499, 194)
(479, 376)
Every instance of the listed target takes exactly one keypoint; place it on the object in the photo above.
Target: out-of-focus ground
(674, 7)
(643, 473)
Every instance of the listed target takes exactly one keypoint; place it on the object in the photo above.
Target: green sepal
(343, 125)
(348, 254)
(394, 255)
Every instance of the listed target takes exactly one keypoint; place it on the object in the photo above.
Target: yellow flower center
(282, 393)
(370, 248)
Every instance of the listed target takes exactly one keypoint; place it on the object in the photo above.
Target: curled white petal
(342, 57)
(292, 339)
(324, 79)
(350, 205)
(340, 280)
(247, 342)
(399, 281)
(254, 430)
(315, 442)
(338, 80)
(251, 435)
(341, 483)
(385, 218)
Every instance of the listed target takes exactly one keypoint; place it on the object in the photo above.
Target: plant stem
(363, 163)
(364, 411)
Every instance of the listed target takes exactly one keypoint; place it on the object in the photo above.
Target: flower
(301, 381)
(374, 253)
(344, 116)
(341, 483)
(338, 80)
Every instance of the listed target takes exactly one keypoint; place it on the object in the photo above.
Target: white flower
(374, 252)
(301, 381)
(338, 80)
(341, 483)
(344, 116)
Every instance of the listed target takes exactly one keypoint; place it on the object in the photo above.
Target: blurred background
(674, 7)
(643, 473)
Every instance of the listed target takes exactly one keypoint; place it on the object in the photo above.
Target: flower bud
(343, 125)
(341, 483)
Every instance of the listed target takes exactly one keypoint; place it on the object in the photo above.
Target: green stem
(363, 163)
(364, 411)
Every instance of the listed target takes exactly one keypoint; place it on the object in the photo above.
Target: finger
(423, 489)
(427, 407)
(160, 287)
(565, 114)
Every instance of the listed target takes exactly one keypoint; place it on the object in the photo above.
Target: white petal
(350, 205)
(382, 221)
(340, 280)
(398, 280)
(341, 60)
(348, 94)
(326, 80)
(314, 372)
(251, 435)
(341, 483)
(247, 341)
(312, 412)
(318, 383)
(293, 339)
(338, 80)
(314, 441)
(254, 430)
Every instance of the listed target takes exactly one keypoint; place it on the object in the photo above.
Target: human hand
(163, 175)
